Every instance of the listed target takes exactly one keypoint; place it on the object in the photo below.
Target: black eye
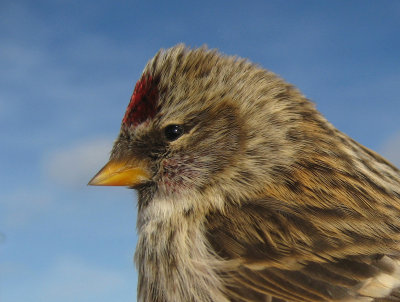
(173, 132)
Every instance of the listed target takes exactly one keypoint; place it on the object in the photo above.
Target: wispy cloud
(75, 165)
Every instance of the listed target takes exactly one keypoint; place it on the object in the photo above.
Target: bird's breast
(172, 257)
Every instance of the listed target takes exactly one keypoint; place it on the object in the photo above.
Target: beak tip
(94, 181)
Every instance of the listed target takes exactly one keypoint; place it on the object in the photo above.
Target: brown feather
(261, 198)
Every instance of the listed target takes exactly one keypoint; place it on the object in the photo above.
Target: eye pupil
(173, 132)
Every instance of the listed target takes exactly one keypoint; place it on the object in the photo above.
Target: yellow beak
(120, 173)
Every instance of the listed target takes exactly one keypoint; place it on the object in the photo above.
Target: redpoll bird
(247, 193)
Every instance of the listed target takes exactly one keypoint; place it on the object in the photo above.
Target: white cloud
(391, 149)
(76, 165)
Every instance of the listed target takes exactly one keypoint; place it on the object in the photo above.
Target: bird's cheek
(179, 173)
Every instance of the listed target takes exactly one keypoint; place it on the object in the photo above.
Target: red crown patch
(143, 103)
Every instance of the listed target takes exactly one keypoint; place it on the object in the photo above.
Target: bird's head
(199, 122)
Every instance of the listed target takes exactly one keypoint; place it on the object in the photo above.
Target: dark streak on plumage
(308, 214)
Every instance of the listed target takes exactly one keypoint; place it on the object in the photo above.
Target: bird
(247, 193)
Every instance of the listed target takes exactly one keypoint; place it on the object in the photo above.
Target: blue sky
(67, 70)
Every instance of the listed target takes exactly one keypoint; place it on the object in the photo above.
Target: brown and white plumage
(247, 193)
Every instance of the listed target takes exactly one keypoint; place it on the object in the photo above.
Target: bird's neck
(172, 257)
